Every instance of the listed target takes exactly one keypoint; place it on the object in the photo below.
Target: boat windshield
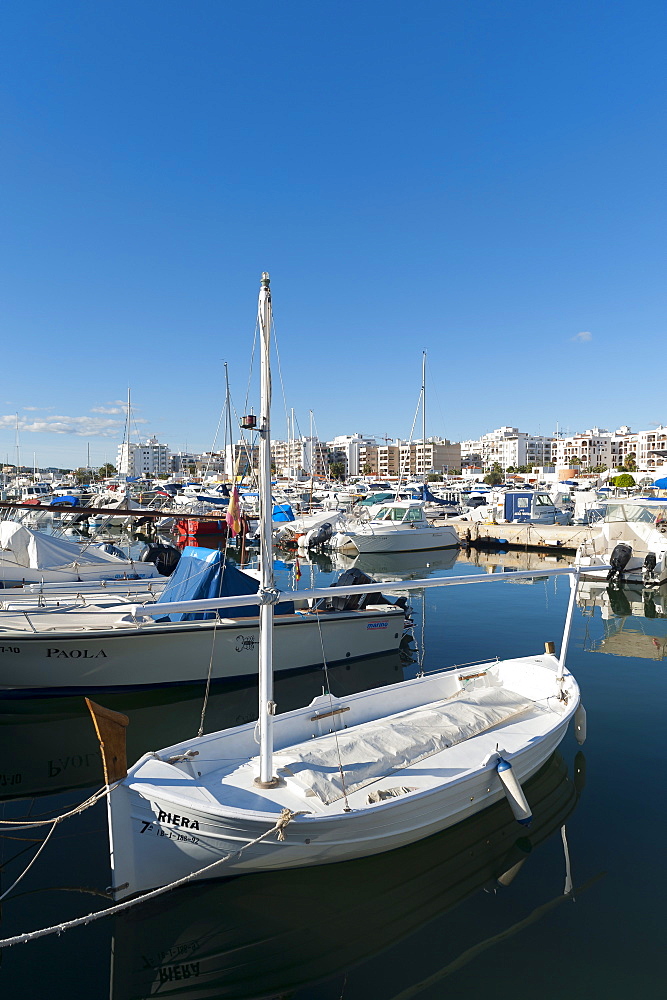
(390, 514)
(543, 500)
(414, 514)
(634, 512)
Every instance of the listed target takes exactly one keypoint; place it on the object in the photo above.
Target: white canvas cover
(375, 749)
(36, 550)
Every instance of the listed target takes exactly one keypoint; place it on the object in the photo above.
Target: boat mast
(267, 705)
(424, 415)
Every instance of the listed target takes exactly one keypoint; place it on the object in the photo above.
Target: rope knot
(286, 817)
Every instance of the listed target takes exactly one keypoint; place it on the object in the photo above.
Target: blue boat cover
(201, 574)
(72, 501)
(283, 512)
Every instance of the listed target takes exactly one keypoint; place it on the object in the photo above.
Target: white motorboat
(28, 556)
(395, 527)
(632, 538)
(340, 778)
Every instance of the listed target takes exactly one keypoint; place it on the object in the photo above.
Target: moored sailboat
(340, 778)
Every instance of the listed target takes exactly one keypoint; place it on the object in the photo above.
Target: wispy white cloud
(37, 407)
(80, 426)
(107, 409)
(582, 337)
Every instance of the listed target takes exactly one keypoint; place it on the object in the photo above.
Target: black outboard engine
(165, 557)
(353, 602)
(321, 535)
(620, 558)
(648, 569)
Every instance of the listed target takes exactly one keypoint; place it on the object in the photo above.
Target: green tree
(107, 470)
(630, 462)
(624, 481)
(495, 477)
(366, 469)
(337, 470)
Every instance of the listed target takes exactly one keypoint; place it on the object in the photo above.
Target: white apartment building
(303, 456)
(590, 448)
(649, 447)
(509, 447)
(147, 461)
(406, 459)
(348, 448)
(597, 447)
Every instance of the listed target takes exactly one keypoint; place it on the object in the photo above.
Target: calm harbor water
(481, 909)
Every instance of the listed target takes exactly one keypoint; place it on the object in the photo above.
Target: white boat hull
(130, 656)
(166, 824)
(400, 539)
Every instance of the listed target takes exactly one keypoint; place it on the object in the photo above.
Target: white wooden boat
(395, 527)
(340, 778)
(263, 937)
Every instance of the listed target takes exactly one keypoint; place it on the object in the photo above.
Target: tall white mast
(267, 705)
(424, 414)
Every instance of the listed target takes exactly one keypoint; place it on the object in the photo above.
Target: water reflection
(49, 744)
(277, 934)
(634, 618)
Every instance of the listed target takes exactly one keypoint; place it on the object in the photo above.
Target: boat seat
(375, 749)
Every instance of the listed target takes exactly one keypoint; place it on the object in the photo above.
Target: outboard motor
(165, 557)
(321, 535)
(620, 558)
(648, 569)
(357, 602)
(352, 602)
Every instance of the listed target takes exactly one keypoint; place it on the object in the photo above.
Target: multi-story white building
(509, 447)
(405, 458)
(304, 456)
(348, 448)
(143, 460)
(650, 448)
(590, 449)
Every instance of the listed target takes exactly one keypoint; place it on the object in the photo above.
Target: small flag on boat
(297, 569)
(232, 518)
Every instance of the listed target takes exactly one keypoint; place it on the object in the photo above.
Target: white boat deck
(383, 755)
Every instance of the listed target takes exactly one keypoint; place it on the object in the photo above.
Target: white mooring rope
(286, 817)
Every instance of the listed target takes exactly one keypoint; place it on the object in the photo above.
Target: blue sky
(481, 180)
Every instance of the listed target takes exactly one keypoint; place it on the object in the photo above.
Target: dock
(530, 537)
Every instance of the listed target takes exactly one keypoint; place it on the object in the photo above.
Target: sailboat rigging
(340, 778)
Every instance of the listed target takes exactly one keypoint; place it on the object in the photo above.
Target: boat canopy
(632, 510)
(203, 573)
(67, 498)
(37, 550)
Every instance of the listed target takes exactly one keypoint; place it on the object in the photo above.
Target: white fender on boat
(514, 792)
(580, 725)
